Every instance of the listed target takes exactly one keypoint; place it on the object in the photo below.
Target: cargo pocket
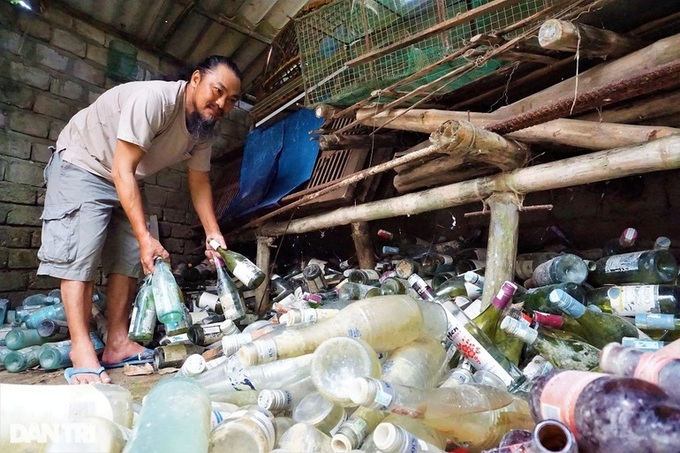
(59, 235)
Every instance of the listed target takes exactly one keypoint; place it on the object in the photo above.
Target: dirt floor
(137, 385)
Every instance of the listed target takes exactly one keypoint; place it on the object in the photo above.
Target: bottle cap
(384, 234)
(628, 237)
(567, 303)
(642, 344)
(193, 365)
(386, 436)
(504, 295)
(662, 243)
(360, 391)
(346, 438)
(516, 328)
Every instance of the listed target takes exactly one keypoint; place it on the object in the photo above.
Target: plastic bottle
(657, 368)
(561, 352)
(354, 430)
(650, 266)
(166, 293)
(337, 361)
(390, 438)
(193, 365)
(31, 412)
(285, 399)
(600, 328)
(232, 343)
(143, 319)
(319, 412)
(53, 330)
(608, 413)
(163, 424)
(207, 334)
(384, 322)
(239, 266)
(630, 300)
(88, 434)
(417, 364)
(53, 356)
(295, 317)
(230, 299)
(560, 269)
(249, 430)
(304, 437)
(19, 338)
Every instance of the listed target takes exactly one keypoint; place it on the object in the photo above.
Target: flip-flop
(70, 372)
(146, 356)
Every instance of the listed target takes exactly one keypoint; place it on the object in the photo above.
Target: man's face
(213, 95)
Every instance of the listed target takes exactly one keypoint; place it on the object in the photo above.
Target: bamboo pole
(331, 142)
(502, 244)
(436, 173)
(563, 131)
(661, 154)
(588, 41)
(649, 108)
(262, 261)
(363, 245)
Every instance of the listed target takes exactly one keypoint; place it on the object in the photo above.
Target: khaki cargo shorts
(83, 226)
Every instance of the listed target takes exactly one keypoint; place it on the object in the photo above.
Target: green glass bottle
(53, 330)
(559, 322)
(570, 354)
(166, 294)
(600, 328)
(53, 356)
(649, 266)
(19, 338)
(239, 266)
(630, 300)
(55, 311)
(22, 359)
(228, 295)
(623, 244)
(657, 321)
(143, 320)
(537, 299)
(489, 320)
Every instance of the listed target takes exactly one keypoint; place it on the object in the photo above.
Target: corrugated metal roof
(190, 30)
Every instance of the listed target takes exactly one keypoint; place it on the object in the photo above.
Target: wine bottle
(608, 413)
(207, 334)
(356, 291)
(363, 276)
(166, 294)
(525, 263)
(406, 267)
(631, 300)
(431, 263)
(393, 285)
(228, 296)
(652, 321)
(143, 319)
(649, 266)
(424, 290)
(561, 352)
(488, 321)
(559, 322)
(623, 244)
(454, 287)
(314, 278)
(239, 266)
(600, 328)
(560, 269)
(538, 299)
(655, 367)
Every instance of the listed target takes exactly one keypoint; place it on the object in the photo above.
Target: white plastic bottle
(416, 364)
(390, 438)
(285, 399)
(249, 430)
(316, 410)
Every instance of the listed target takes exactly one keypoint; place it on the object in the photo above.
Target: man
(93, 209)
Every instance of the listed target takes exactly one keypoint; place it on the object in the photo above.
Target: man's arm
(201, 197)
(125, 161)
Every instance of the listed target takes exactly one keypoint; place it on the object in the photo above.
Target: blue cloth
(276, 161)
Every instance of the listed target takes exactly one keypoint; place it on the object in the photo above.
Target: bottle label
(662, 321)
(642, 345)
(354, 332)
(636, 299)
(309, 315)
(245, 271)
(622, 263)
(133, 320)
(559, 396)
(473, 350)
(212, 330)
(650, 365)
(266, 350)
(384, 395)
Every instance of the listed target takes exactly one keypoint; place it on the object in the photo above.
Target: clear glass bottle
(356, 291)
(630, 300)
(239, 266)
(143, 320)
(323, 414)
(384, 322)
(431, 262)
(525, 263)
(248, 430)
(166, 294)
(560, 269)
(22, 359)
(421, 287)
(416, 364)
(390, 438)
(53, 330)
(53, 356)
(314, 277)
(570, 354)
(55, 311)
(163, 424)
(393, 285)
(19, 338)
(649, 266)
(607, 413)
(229, 297)
(600, 328)
(337, 361)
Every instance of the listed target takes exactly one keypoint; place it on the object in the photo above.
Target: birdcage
(345, 30)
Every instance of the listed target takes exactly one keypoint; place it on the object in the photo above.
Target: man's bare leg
(77, 299)
(120, 291)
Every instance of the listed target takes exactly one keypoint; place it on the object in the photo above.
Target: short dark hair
(213, 61)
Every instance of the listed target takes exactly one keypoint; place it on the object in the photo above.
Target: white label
(636, 299)
(266, 350)
(133, 319)
(384, 395)
(623, 263)
(245, 271)
(309, 315)
(212, 330)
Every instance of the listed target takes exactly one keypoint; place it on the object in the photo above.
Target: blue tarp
(276, 161)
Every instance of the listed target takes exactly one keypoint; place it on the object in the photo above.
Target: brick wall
(51, 66)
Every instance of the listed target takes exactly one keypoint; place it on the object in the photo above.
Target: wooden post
(502, 246)
(363, 245)
(262, 261)
(588, 41)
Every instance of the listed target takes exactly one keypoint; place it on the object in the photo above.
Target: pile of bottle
(581, 356)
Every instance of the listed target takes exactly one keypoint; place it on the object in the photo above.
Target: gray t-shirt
(149, 114)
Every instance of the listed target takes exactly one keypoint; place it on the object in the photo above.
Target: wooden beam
(462, 18)
(576, 133)
(662, 154)
(339, 141)
(638, 110)
(586, 40)
(363, 245)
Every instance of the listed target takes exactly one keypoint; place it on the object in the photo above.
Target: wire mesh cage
(345, 30)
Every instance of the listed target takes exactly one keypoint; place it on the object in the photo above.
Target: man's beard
(201, 128)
